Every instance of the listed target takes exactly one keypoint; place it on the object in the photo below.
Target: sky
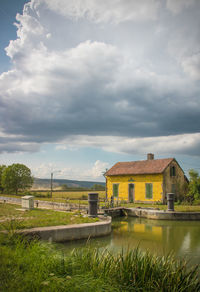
(87, 83)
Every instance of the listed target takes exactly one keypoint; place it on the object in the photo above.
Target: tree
(2, 168)
(64, 187)
(194, 186)
(17, 177)
(98, 187)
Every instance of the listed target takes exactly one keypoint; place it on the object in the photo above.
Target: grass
(38, 217)
(75, 197)
(178, 208)
(37, 266)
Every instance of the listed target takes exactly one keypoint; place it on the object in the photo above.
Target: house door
(131, 191)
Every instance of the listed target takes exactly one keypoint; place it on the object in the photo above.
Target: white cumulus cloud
(115, 11)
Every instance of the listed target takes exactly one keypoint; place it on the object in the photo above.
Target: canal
(160, 237)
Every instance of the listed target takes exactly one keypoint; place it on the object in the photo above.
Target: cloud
(75, 74)
(184, 41)
(91, 90)
(164, 145)
(18, 147)
(99, 168)
(176, 6)
(191, 65)
(93, 172)
(115, 11)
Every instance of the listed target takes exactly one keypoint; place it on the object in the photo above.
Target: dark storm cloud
(136, 84)
(138, 113)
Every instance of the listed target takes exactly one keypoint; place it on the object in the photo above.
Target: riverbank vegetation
(73, 198)
(11, 216)
(38, 266)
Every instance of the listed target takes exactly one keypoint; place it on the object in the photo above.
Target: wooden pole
(51, 184)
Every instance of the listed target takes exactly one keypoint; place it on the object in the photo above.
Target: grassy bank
(75, 197)
(81, 198)
(36, 266)
(12, 216)
(178, 208)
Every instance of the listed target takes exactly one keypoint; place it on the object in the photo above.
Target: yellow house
(145, 181)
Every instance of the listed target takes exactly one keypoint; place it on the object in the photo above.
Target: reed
(38, 266)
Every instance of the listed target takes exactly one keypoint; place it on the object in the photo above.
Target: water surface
(158, 236)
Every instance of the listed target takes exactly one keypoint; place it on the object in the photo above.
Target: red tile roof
(139, 167)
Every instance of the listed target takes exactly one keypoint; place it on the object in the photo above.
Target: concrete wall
(115, 212)
(161, 215)
(71, 232)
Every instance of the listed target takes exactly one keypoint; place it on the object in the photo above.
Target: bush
(194, 187)
(84, 197)
(196, 202)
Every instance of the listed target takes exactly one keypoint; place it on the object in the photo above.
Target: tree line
(193, 191)
(15, 178)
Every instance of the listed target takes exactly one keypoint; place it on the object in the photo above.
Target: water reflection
(158, 236)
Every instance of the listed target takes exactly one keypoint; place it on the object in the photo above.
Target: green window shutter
(149, 191)
(115, 190)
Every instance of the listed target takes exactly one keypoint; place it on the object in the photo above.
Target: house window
(173, 171)
(149, 191)
(115, 190)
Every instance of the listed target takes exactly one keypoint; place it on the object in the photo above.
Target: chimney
(150, 156)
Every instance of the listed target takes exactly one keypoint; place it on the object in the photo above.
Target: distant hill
(44, 183)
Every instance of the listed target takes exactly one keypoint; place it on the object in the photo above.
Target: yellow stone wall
(139, 183)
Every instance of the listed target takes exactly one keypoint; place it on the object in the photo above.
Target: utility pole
(51, 183)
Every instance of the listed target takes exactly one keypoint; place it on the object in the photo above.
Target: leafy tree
(194, 186)
(2, 168)
(98, 187)
(64, 187)
(17, 177)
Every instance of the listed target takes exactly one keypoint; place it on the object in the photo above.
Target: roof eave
(120, 174)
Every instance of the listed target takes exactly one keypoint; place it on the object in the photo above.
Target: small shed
(28, 202)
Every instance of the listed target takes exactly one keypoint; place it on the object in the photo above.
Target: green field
(76, 197)
(12, 217)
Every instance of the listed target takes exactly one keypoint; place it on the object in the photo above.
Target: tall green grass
(37, 266)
